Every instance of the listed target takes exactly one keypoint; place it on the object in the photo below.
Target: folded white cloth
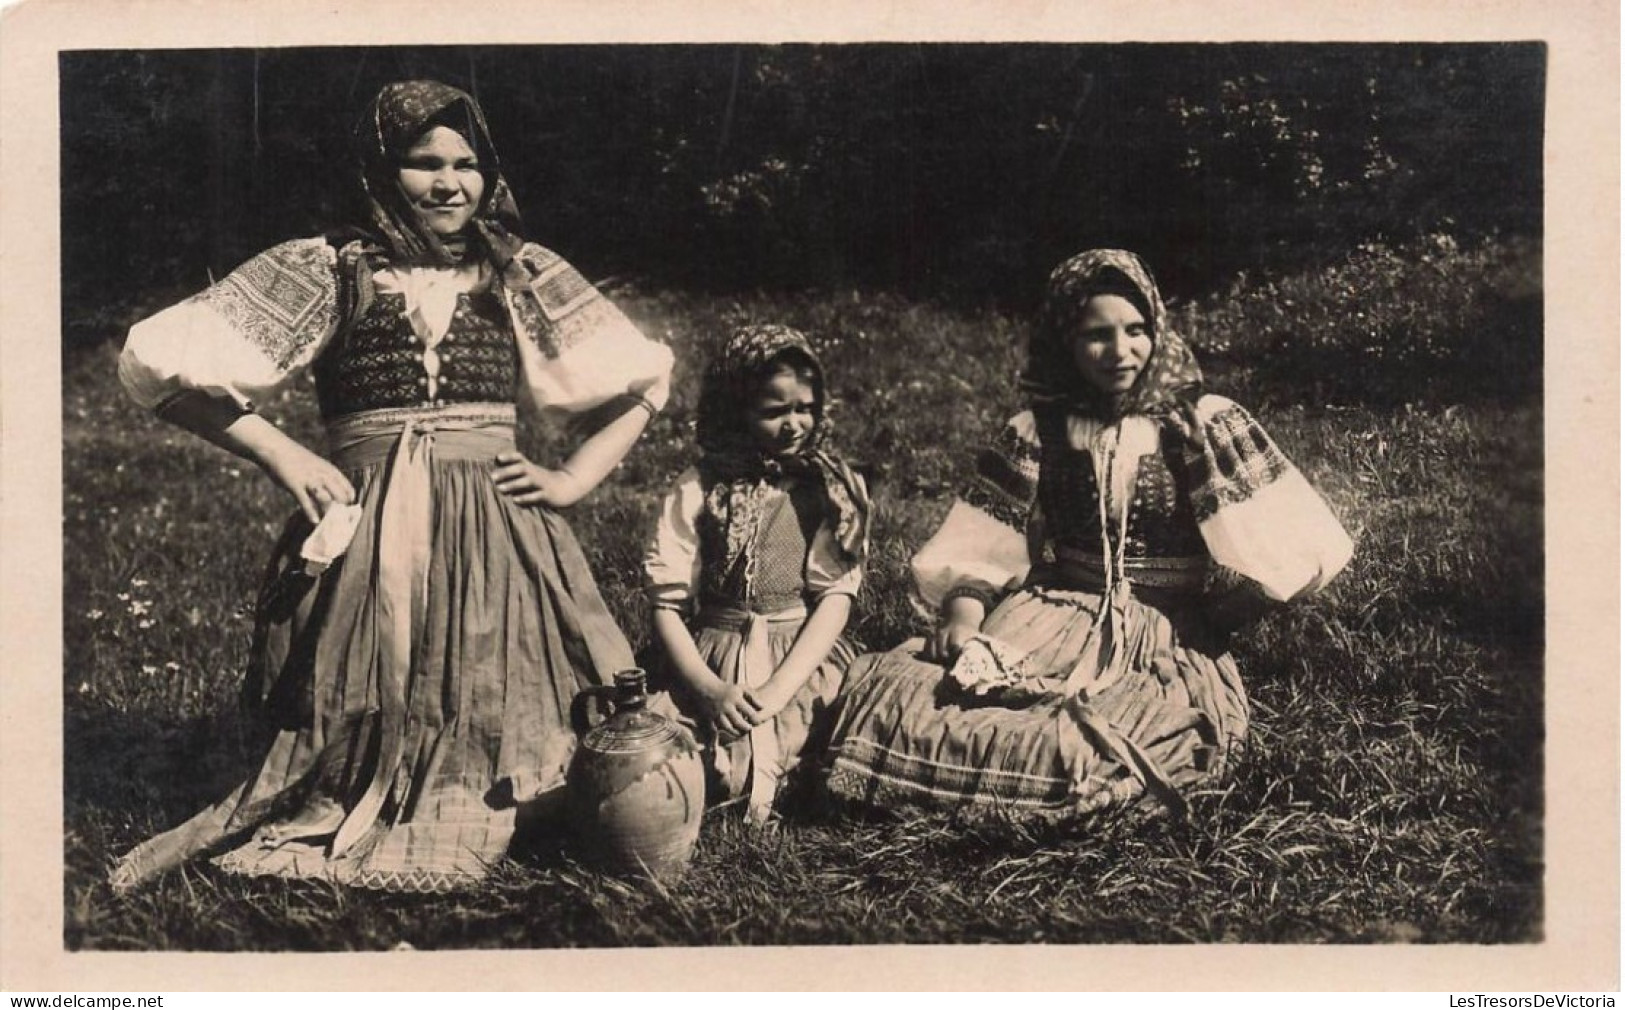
(985, 664)
(330, 539)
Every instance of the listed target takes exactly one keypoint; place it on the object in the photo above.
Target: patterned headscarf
(1171, 379)
(543, 293)
(733, 462)
(398, 116)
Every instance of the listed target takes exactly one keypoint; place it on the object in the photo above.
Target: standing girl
(1099, 673)
(416, 685)
(755, 559)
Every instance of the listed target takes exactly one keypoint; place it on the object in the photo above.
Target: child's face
(780, 416)
(1112, 343)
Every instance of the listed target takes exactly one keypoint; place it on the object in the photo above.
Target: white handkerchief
(330, 539)
(985, 663)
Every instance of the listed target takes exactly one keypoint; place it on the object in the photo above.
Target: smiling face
(1111, 344)
(782, 414)
(440, 176)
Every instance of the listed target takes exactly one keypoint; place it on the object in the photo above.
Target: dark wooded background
(957, 172)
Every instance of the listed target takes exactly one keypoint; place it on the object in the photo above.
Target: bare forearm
(812, 645)
(962, 617)
(726, 708)
(314, 483)
(964, 610)
(682, 653)
(219, 420)
(528, 484)
(605, 448)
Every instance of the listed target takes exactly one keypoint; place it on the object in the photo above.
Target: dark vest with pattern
(377, 361)
(1161, 521)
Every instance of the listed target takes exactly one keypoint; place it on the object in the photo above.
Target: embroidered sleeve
(1257, 513)
(981, 548)
(578, 350)
(1005, 482)
(671, 562)
(244, 336)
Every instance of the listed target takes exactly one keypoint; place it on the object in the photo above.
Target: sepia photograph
(814, 493)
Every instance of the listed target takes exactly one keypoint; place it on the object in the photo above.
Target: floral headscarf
(737, 466)
(1171, 379)
(539, 292)
(398, 116)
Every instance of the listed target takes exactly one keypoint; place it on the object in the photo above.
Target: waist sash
(1079, 569)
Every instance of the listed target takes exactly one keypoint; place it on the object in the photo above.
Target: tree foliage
(954, 171)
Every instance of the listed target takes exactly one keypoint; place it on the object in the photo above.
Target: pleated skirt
(1166, 716)
(409, 772)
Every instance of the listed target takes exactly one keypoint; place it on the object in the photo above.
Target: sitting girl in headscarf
(756, 556)
(1097, 671)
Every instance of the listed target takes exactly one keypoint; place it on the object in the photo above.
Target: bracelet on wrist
(981, 596)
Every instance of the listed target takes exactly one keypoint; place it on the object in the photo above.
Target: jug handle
(580, 719)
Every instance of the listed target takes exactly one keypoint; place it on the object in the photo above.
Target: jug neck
(631, 691)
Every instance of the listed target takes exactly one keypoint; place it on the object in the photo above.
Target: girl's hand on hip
(730, 710)
(529, 484)
(315, 484)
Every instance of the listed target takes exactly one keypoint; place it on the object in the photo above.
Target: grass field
(1390, 792)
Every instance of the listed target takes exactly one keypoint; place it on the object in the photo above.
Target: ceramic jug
(636, 789)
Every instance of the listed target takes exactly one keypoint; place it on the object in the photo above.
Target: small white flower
(139, 607)
(93, 614)
(138, 583)
(124, 596)
(144, 625)
(172, 666)
(149, 669)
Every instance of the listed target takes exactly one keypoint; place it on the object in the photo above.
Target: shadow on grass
(123, 761)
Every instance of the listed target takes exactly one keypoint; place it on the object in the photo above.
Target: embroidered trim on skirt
(406, 740)
(1170, 717)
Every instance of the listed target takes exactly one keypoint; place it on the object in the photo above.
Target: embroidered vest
(379, 362)
(1161, 522)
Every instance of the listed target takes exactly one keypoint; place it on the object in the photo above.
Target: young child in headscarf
(755, 558)
(1103, 674)
(416, 656)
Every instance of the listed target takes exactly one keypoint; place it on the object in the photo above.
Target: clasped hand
(733, 711)
(529, 484)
